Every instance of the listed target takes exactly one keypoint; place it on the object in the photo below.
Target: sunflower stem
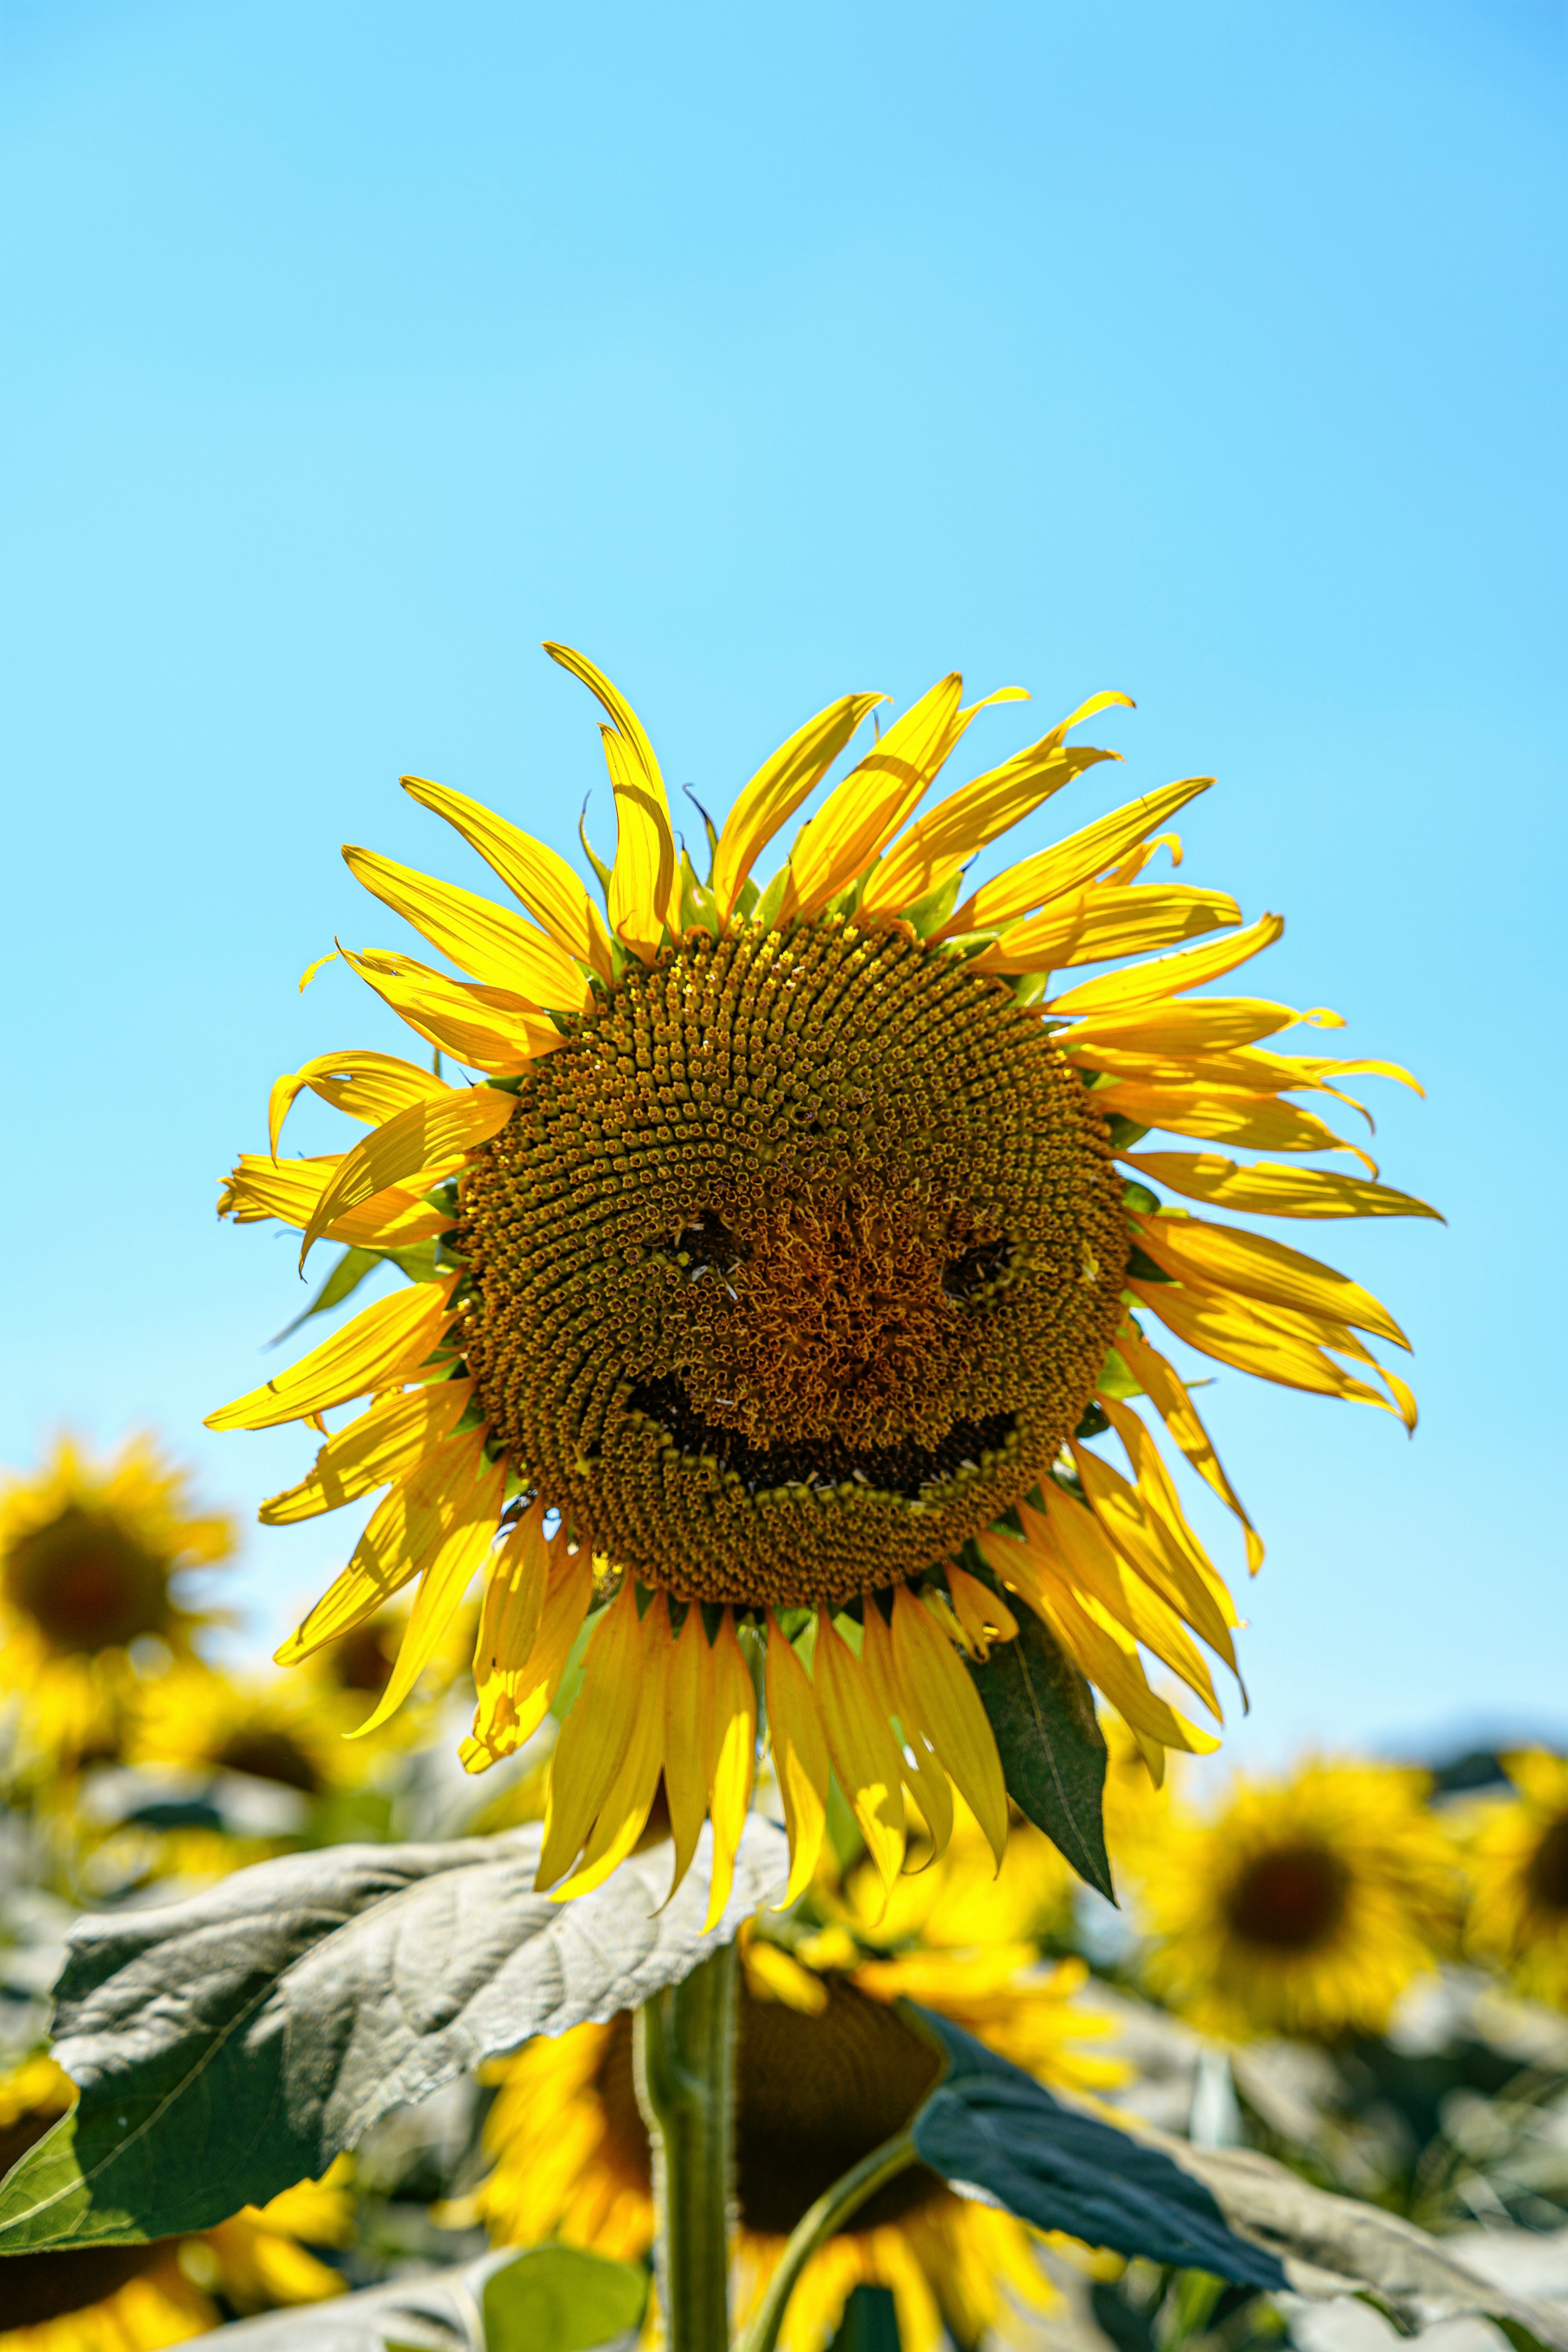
(684, 2047)
(829, 2213)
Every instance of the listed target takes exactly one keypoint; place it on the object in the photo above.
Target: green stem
(829, 2213)
(684, 2054)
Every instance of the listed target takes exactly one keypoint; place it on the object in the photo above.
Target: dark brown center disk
(795, 1265)
(1549, 1868)
(815, 2095)
(86, 1583)
(1290, 1900)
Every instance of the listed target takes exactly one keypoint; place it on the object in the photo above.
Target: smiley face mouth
(906, 1472)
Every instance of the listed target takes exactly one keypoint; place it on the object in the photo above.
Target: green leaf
(1052, 1749)
(990, 2128)
(546, 2299)
(233, 2044)
(559, 2299)
(345, 1278)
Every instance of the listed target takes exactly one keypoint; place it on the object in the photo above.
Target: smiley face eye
(978, 1269)
(708, 1243)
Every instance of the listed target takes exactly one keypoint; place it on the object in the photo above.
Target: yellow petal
(800, 1761)
(496, 946)
(437, 1133)
(645, 874)
(1269, 1342)
(690, 1741)
(861, 1743)
(1100, 1576)
(396, 1433)
(403, 1534)
(1263, 1121)
(1168, 1524)
(1151, 1550)
(951, 1715)
(734, 1759)
(629, 1797)
(623, 718)
(868, 808)
(982, 1616)
(384, 1344)
(1225, 1256)
(777, 790)
(1180, 1026)
(1146, 983)
(1161, 1382)
(369, 1087)
(921, 1767)
(1097, 924)
(292, 1190)
(595, 1736)
(1070, 863)
(487, 1028)
(532, 872)
(934, 849)
(464, 1547)
(516, 1691)
(512, 1607)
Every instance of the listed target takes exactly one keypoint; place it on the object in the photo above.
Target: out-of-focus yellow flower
(1304, 1907)
(827, 2069)
(136, 2298)
(1517, 1856)
(87, 1554)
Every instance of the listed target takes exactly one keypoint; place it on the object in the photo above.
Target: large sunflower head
(1304, 1907)
(110, 2299)
(827, 2069)
(1518, 1857)
(781, 1276)
(89, 1555)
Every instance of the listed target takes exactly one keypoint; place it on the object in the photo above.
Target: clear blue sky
(1213, 353)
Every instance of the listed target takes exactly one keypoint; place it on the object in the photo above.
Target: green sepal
(929, 914)
(766, 913)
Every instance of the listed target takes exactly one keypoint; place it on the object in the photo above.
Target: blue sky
(1209, 352)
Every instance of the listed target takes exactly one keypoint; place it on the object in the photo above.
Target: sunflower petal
(532, 872)
(483, 939)
(1227, 1258)
(690, 1739)
(1178, 1027)
(402, 1536)
(384, 1344)
(465, 1544)
(429, 1135)
(595, 1736)
(1098, 924)
(1146, 983)
(735, 1759)
(982, 1618)
(516, 1691)
(384, 1443)
(1107, 1583)
(1069, 863)
(874, 798)
(952, 1715)
(622, 717)
(1161, 1382)
(921, 1767)
(369, 1087)
(291, 1191)
(645, 876)
(800, 1761)
(861, 1743)
(1144, 1542)
(487, 1028)
(629, 1797)
(777, 790)
(1264, 1121)
(1269, 1342)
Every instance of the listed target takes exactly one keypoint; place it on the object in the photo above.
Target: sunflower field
(731, 1859)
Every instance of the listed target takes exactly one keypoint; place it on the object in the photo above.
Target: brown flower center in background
(795, 1265)
(1548, 1876)
(1290, 1900)
(86, 1583)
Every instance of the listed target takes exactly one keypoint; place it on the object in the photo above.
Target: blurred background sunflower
(1517, 1853)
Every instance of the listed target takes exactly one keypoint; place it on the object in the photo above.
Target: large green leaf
(549, 2299)
(1052, 1749)
(232, 2044)
(991, 2130)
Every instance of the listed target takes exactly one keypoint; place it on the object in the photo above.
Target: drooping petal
(517, 1689)
(919, 1766)
(1264, 1121)
(1146, 983)
(1159, 1382)
(1147, 1546)
(951, 1715)
(939, 843)
(1271, 1342)
(690, 1739)
(1100, 923)
(629, 1797)
(862, 1745)
(1227, 1258)
(437, 1133)
(734, 1759)
(1163, 1514)
(292, 1190)
(534, 873)
(368, 1086)
(464, 1545)
(1098, 1575)
(594, 1737)
(384, 1344)
(982, 1617)
(498, 948)
(800, 1760)
(402, 1536)
(487, 1028)
(385, 1441)
(1179, 1026)
(1069, 863)
(777, 790)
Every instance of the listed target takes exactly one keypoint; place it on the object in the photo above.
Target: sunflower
(780, 1275)
(132, 2298)
(1304, 1907)
(827, 2069)
(87, 1554)
(1517, 1854)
